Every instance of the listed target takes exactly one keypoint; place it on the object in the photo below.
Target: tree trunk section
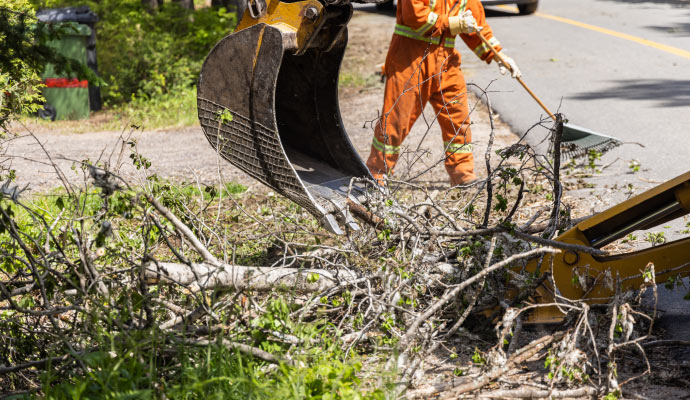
(205, 276)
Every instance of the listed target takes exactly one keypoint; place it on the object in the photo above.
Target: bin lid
(81, 14)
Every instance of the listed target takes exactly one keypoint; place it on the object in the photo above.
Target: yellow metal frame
(290, 18)
(601, 274)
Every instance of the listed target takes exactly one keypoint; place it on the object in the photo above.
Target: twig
(184, 229)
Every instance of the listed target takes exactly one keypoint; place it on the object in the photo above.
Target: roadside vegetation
(197, 290)
(149, 59)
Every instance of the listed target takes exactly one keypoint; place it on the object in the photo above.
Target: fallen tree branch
(243, 348)
(526, 393)
(520, 356)
(668, 343)
(30, 364)
(184, 230)
(204, 276)
(452, 293)
(365, 215)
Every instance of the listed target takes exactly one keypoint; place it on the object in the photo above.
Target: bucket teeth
(275, 115)
(344, 215)
(329, 222)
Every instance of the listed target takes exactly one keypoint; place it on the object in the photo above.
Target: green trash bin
(68, 96)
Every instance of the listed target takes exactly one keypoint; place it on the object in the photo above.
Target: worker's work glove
(512, 65)
(463, 23)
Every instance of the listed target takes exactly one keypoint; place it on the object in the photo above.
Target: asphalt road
(619, 67)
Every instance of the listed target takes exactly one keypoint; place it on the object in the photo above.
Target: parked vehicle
(525, 7)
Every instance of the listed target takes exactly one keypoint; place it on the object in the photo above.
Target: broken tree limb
(527, 393)
(520, 356)
(243, 348)
(184, 230)
(460, 386)
(365, 215)
(205, 276)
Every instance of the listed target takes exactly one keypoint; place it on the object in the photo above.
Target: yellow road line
(638, 40)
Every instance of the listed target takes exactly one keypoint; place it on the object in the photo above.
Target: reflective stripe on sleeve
(482, 49)
(449, 42)
(430, 22)
(385, 148)
(457, 148)
(406, 31)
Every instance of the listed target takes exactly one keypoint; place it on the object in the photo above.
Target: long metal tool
(576, 140)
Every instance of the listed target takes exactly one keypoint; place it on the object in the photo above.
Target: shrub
(145, 54)
(24, 51)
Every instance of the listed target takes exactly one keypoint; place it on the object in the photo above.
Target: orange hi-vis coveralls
(423, 66)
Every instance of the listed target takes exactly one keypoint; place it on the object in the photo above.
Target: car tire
(529, 8)
(386, 5)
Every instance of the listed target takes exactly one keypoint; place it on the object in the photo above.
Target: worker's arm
(470, 23)
(472, 40)
(417, 14)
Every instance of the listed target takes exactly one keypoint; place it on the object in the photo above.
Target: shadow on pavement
(667, 92)
(675, 29)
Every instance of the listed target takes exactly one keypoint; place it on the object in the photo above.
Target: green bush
(142, 54)
(24, 51)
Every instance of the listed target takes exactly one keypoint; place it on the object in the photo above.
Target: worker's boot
(461, 171)
(463, 180)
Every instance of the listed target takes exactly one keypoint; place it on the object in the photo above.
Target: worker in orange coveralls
(423, 66)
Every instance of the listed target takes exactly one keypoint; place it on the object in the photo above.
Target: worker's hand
(464, 23)
(512, 65)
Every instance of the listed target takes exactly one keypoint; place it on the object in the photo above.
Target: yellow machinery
(580, 275)
(268, 102)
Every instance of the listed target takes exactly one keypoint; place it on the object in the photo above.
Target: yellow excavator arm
(579, 275)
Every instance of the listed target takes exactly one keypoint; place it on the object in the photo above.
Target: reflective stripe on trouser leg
(402, 104)
(450, 104)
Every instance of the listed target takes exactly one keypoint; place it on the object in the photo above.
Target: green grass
(166, 110)
(358, 80)
(147, 364)
(174, 109)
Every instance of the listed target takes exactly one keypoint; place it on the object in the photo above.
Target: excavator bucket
(268, 103)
